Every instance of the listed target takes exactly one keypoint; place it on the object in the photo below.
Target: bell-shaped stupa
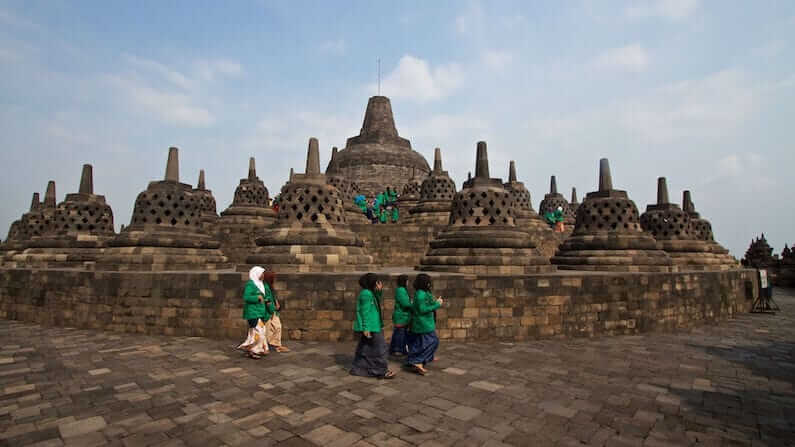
(436, 196)
(671, 227)
(481, 236)
(607, 235)
(555, 200)
(81, 227)
(573, 205)
(311, 233)
(18, 233)
(245, 218)
(525, 216)
(165, 231)
(701, 229)
(410, 195)
(207, 207)
(378, 157)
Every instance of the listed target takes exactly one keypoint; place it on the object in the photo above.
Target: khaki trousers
(273, 330)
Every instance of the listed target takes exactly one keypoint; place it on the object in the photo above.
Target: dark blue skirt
(422, 347)
(399, 341)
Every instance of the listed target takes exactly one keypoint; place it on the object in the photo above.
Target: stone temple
(178, 268)
(378, 157)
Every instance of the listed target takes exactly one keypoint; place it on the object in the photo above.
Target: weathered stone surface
(245, 218)
(608, 235)
(728, 384)
(701, 229)
(207, 206)
(165, 231)
(311, 233)
(481, 236)
(527, 218)
(436, 196)
(555, 200)
(378, 157)
(672, 229)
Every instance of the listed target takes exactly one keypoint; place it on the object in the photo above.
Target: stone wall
(322, 306)
(396, 245)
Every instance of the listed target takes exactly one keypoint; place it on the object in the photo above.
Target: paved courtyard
(722, 385)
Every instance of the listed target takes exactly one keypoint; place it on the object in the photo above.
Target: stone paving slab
(727, 385)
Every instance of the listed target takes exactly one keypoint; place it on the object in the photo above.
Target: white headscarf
(254, 274)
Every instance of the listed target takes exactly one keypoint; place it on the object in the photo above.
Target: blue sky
(702, 92)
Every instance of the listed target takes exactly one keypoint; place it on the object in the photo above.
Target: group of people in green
(414, 327)
(555, 218)
(414, 323)
(382, 208)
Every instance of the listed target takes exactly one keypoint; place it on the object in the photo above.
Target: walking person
(370, 358)
(255, 312)
(423, 340)
(401, 317)
(273, 327)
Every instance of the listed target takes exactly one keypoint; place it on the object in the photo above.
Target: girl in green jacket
(256, 312)
(422, 339)
(370, 358)
(401, 317)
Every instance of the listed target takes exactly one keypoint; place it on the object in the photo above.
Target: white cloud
(168, 74)
(208, 70)
(497, 60)
(173, 108)
(633, 58)
(711, 108)
(675, 10)
(415, 80)
(336, 47)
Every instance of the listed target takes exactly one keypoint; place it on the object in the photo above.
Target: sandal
(388, 375)
(251, 355)
(282, 349)
(419, 369)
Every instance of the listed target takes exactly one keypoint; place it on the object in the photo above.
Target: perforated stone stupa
(436, 196)
(524, 214)
(553, 200)
(671, 227)
(245, 218)
(78, 233)
(410, 196)
(165, 231)
(701, 229)
(17, 237)
(311, 233)
(378, 157)
(207, 207)
(608, 235)
(573, 205)
(482, 236)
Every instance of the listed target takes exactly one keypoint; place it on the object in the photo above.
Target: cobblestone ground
(721, 385)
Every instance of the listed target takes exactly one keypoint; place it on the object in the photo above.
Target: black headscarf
(422, 282)
(368, 280)
(402, 280)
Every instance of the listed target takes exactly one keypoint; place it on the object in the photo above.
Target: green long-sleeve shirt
(252, 307)
(368, 312)
(422, 321)
(402, 313)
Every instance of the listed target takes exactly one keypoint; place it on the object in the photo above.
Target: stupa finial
(662, 191)
(687, 202)
(378, 117)
(35, 202)
(49, 196)
(553, 185)
(437, 160)
(313, 157)
(482, 161)
(512, 171)
(200, 184)
(573, 194)
(172, 165)
(333, 152)
(87, 180)
(605, 179)
(252, 168)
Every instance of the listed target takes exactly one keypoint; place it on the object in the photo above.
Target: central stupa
(378, 157)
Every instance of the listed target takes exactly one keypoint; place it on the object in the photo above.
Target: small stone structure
(245, 218)
(759, 254)
(608, 235)
(436, 196)
(701, 229)
(553, 200)
(165, 231)
(378, 157)
(410, 196)
(524, 214)
(671, 227)
(79, 231)
(482, 236)
(207, 207)
(311, 233)
(18, 236)
(573, 205)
